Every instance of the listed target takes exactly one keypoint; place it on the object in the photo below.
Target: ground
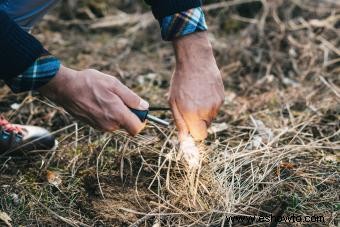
(273, 149)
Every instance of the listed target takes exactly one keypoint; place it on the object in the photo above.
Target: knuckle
(115, 81)
(90, 71)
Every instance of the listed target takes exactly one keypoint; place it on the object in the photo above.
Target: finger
(215, 109)
(213, 114)
(180, 123)
(108, 128)
(196, 125)
(129, 121)
(210, 116)
(130, 98)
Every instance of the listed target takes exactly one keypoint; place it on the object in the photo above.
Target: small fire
(190, 152)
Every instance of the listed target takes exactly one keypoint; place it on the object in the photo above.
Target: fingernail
(143, 105)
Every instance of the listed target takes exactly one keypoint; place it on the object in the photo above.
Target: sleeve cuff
(37, 75)
(183, 23)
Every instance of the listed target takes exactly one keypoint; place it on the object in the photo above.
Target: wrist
(57, 85)
(189, 48)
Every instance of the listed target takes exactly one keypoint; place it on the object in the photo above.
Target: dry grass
(274, 147)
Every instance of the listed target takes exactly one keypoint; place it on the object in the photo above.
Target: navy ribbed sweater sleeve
(163, 8)
(18, 49)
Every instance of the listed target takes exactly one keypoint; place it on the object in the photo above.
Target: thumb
(130, 98)
(130, 122)
(180, 123)
(197, 127)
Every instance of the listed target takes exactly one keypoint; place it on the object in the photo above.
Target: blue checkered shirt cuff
(37, 75)
(183, 23)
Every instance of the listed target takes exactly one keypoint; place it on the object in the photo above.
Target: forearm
(18, 49)
(188, 48)
(24, 63)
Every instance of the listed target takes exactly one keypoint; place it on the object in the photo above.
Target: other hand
(196, 88)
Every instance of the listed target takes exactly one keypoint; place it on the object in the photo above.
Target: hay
(190, 152)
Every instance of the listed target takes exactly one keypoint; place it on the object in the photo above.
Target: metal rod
(157, 120)
(159, 108)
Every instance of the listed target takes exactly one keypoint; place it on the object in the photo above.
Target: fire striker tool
(144, 115)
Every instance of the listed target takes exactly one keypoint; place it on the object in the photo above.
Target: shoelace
(8, 127)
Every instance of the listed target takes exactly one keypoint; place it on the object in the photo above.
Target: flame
(190, 152)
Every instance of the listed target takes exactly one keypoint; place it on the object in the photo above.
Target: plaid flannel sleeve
(183, 23)
(37, 75)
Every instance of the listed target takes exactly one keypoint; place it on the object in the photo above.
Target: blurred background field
(273, 149)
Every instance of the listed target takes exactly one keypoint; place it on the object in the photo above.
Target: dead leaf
(156, 223)
(229, 97)
(285, 169)
(332, 158)
(263, 134)
(287, 165)
(53, 178)
(5, 218)
(255, 142)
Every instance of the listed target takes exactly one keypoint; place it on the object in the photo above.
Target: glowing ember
(190, 152)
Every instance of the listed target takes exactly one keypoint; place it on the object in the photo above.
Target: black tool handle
(141, 114)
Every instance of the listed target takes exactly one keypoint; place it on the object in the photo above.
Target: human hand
(196, 89)
(96, 98)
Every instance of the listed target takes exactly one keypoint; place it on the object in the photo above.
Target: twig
(97, 167)
(333, 88)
